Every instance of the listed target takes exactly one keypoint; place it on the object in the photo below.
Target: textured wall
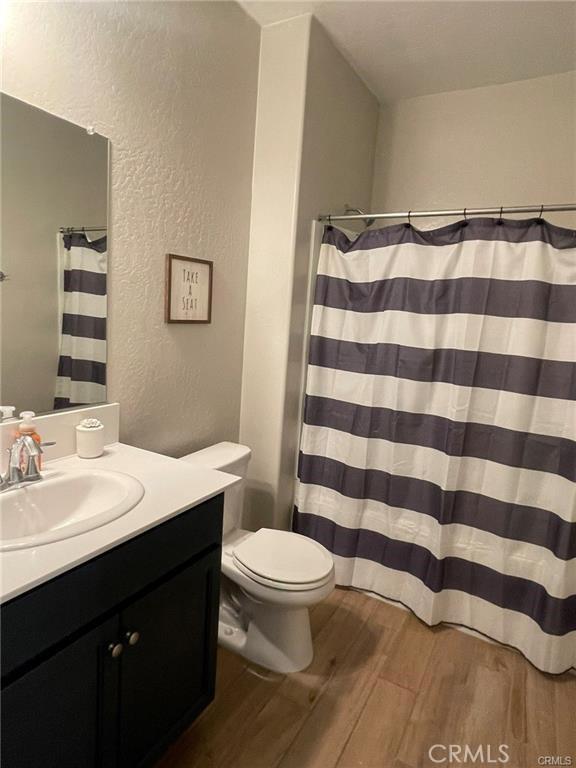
(314, 152)
(173, 85)
(512, 144)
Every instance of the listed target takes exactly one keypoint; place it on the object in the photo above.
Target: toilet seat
(283, 560)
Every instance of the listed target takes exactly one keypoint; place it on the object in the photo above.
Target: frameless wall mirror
(54, 261)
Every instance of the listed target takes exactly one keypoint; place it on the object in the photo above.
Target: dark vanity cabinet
(105, 665)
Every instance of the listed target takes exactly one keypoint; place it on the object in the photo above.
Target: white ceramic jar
(90, 439)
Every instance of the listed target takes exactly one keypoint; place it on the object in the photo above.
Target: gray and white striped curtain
(438, 450)
(81, 375)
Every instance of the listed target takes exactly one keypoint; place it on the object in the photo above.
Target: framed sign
(188, 290)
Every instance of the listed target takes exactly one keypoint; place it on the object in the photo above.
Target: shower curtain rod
(500, 211)
(69, 230)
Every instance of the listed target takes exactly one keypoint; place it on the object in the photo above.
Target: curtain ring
(540, 214)
(409, 223)
(500, 219)
(465, 217)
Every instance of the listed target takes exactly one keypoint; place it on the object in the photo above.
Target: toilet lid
(284, 557)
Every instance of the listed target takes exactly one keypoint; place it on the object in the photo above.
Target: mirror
(53, 262)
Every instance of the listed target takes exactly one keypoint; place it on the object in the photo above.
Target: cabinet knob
(132, 637)
(115, 650)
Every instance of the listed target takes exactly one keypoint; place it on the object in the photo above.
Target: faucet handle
(5, 477)
(14, 474)
(32, 447)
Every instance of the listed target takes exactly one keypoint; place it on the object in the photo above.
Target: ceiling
(405, 49)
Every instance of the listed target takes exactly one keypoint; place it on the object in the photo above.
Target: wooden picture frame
(188, 296)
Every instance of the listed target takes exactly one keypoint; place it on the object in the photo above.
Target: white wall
(512, 144)
(173, 85)
(315, 133)
(275, 191)
(53, 175)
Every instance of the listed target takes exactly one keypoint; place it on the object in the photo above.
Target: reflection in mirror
(53, 263)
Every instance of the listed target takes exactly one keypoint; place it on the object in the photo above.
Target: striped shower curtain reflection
(81, 377)
(438, 450)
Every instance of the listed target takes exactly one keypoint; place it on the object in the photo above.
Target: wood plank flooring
(382, 689)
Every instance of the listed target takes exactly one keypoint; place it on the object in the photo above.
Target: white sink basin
(64, 504)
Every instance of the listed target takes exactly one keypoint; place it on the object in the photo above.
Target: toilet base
(275, 637)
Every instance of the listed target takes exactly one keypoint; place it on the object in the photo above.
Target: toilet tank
(232, 458)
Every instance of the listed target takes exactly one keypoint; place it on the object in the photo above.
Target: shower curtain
(81, 377)
(438, 450)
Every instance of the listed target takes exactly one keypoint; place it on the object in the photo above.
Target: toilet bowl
(269, 581)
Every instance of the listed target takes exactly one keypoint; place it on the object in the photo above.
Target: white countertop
(171, 486)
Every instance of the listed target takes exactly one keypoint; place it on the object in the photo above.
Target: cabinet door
(58, 715)
(168, 673)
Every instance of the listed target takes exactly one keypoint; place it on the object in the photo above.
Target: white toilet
(269, 578)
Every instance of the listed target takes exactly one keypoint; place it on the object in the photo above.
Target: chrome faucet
(15, 476)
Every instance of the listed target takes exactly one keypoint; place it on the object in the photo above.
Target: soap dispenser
(27, 427)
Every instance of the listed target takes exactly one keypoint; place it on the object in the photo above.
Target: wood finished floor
(382, 689)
